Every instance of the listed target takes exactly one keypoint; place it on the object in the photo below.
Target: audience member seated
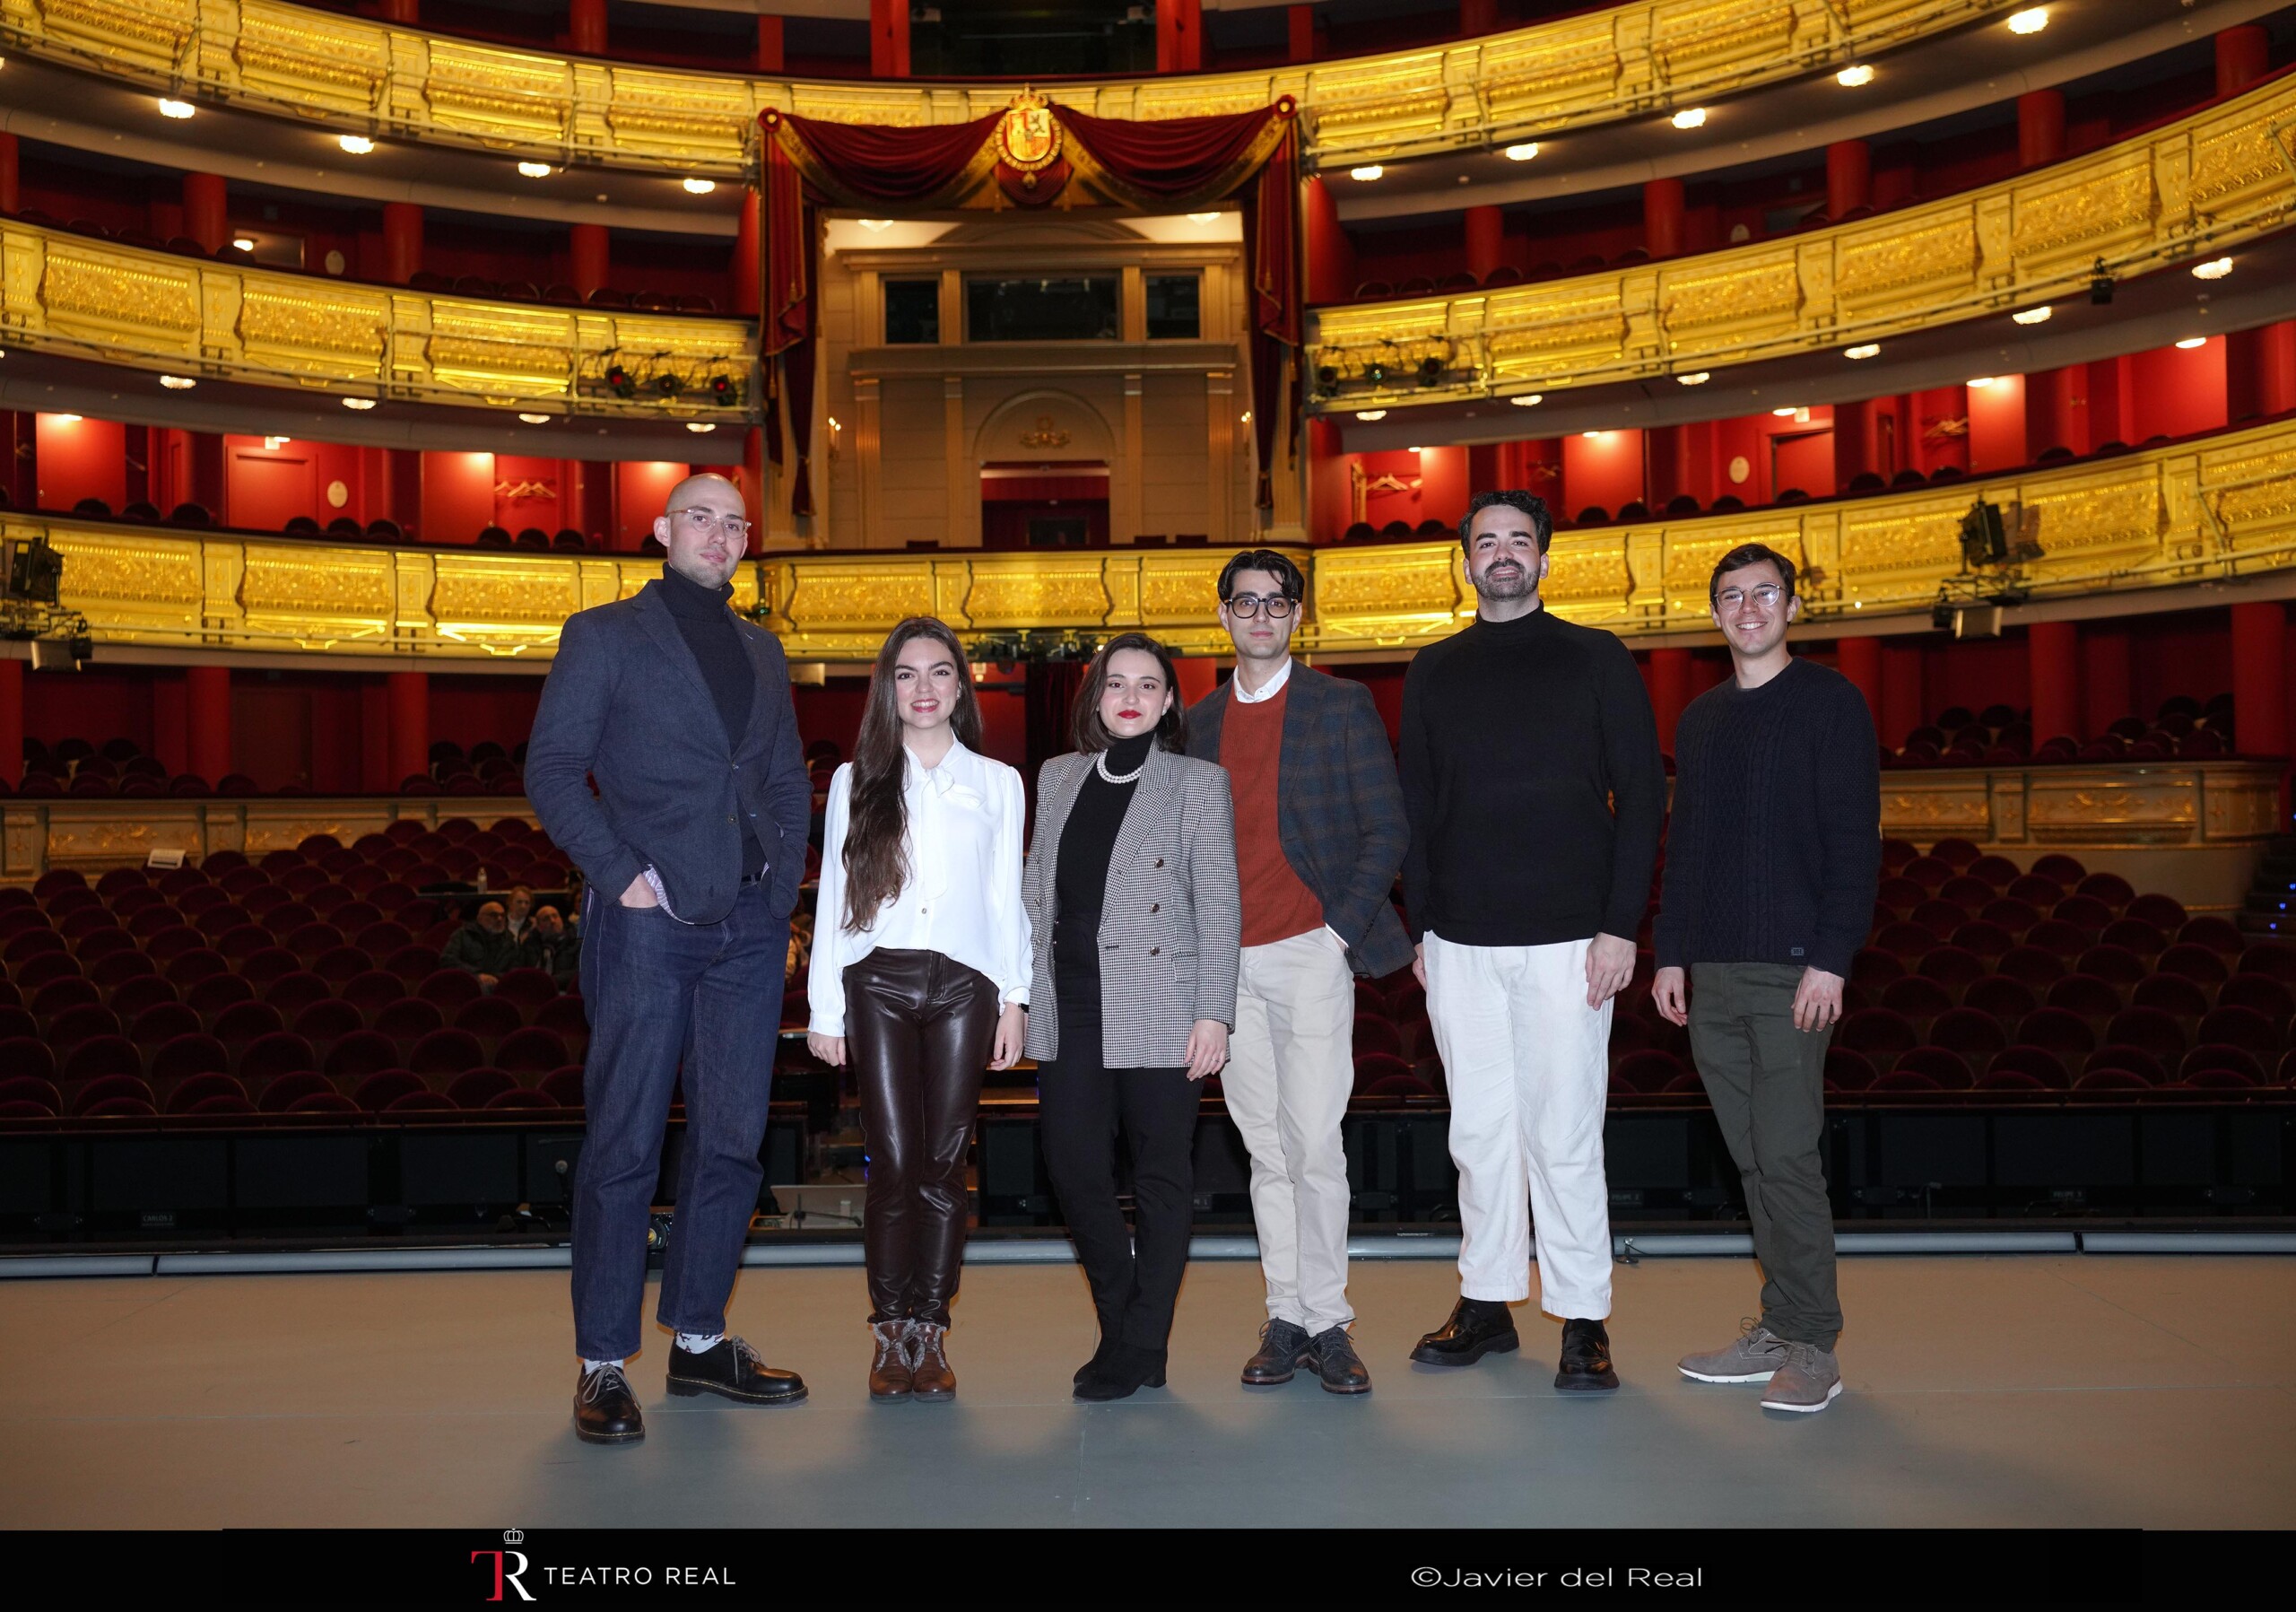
(553, 948)
(484, 947)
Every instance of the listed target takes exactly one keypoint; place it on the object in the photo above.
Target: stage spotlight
(358, 145)
(1376, 373)
(1326, 376)
(669, 384)
(620, 382)
(2100, 284)
(2033, 316)
(724, 390)
(1430, 370)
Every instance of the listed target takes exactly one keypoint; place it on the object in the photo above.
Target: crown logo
(514, 1535)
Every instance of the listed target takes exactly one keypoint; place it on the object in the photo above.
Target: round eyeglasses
(1764, 593)
(707, 521)
(1249, 605)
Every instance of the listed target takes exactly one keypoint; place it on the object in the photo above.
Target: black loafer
(1282, 1350)
(605, 1412)
(1477, 1328)
(1342, 1370)
(1585, 1367)
(732, 1370)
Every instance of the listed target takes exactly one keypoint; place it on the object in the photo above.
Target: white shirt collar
(1267, 691)
(944, 778)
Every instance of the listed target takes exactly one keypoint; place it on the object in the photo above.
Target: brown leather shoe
(891, 1376)
(932, 1378)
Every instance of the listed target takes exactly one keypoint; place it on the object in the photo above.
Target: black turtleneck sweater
(708, 631)
(1532, 781)
(1087, 838)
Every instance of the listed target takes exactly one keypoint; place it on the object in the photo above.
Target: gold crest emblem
(1029, 138)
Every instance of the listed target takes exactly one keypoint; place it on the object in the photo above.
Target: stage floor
(2073, 1391)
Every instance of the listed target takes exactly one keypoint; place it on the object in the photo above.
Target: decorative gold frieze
(1023, 594)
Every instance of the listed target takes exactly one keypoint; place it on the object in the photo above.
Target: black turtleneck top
(1087, 839)
(708, 631)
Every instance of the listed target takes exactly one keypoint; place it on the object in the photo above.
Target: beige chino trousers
(1290, 1070)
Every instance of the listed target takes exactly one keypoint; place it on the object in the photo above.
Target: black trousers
(917, 1028)
(1083, 1109)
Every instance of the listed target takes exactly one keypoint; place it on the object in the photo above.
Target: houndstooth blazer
(1173, 920)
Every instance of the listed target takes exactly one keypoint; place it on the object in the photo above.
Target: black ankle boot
(1100, 1359)
(1126, 1370)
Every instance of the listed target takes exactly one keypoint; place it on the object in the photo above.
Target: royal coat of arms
(1027, 138)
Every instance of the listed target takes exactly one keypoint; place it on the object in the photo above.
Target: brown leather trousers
(917, 1033)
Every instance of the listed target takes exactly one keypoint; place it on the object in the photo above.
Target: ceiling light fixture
(2032, 19)
(699, 428)
(1366, 173)
(876, 225)
(1690, 117)
(66, 419)
(1522, 152)
(1783, 414)
(535, 419)
(1414, 450)
(1590, 435)
(535, 170)
(177, 383)
(358, 145)
(176, 109)
(274, 444)
(2033, 316)
(1203, 218)
(361, 403)
(1854, 77)
(1370, 415)
(1527, 399)
(242, 243)
(1696, 378)
(2190, 341)
(1978, 383)
(698, 186)
(1863, 350)
(2215, 268)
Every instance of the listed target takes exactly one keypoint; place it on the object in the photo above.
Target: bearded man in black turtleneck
(692, 845)
(1532, 781)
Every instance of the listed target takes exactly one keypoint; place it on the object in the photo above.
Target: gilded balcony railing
(2183, 191)
(89, 297)
(2217, 508)
(359, 77)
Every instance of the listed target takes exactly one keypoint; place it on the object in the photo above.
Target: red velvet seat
(282, 1053)
(2171, 994)
(324, 1102)
(379, 1091)
(2241, 1027)
(2155, 1031)
(422, 1102)
(106, 1088)
(531, 1050)
(563, 1085)
(447, 1052)
(280, 1095)
(476, 1087)
(190, 1093)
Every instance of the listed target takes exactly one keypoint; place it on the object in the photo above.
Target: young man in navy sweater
(1773, 858)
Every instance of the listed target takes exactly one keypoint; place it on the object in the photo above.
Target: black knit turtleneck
(1087, 839)
(708, 631)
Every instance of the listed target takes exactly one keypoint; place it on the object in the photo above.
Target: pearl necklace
(1100, 761)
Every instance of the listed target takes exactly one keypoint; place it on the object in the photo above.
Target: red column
(746, 270)
(1300, 22)
(1662, 217)
(888, 39)
(1179, 36)
(206, 211)
(1665, 464)
(2243, 56)
(12, 721)
(20, 445)
(204, 450)
(1857, 447)
(1486, 240)
(2105, 696)
(1849, 176)
(8, 170)
(1479, 17)
(2260, 679)
(769, 45)
(2108, 402)
(410, 725)
(1669, 691)
(589, 253)
(586, 27)
(1901, 692)
(406, 14)
(402, 242)
(2276, 367)
(2056, 414)
(2053, 649)
(2040, 127)
(403, 491)
(207, 691)
(1331, 256)
(1859, 660)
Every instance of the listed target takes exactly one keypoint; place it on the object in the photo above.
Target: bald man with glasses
(692, 845)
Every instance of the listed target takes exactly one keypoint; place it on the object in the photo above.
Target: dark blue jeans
(658, 988)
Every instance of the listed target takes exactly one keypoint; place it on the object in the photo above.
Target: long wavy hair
(877, 858)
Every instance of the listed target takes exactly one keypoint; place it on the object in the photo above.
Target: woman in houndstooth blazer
(1135, 923)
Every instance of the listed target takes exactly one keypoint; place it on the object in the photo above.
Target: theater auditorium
(350, 349)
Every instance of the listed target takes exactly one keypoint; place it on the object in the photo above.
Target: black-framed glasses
(1764, 593)
(1249, 605)
(707, 521)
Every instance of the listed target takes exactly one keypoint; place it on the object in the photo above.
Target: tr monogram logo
(499, 1566)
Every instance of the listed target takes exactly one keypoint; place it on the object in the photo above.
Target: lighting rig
(1995, 549)
(30, 609)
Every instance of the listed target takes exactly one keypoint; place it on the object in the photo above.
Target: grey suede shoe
(1757, 1353)
(1808, 1379)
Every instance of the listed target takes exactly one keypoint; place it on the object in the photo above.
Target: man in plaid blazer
(1320, 832)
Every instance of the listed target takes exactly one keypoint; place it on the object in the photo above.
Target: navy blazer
(626, 704)
(1338, 807)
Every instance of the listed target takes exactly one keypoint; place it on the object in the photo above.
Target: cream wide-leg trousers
(1526, 1062)
(1290, 1069)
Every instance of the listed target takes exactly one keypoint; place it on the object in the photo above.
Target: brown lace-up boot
(891, 1376)
(934, 1379)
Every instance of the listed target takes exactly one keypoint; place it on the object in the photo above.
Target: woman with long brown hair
(1135, 922)
(919, 977)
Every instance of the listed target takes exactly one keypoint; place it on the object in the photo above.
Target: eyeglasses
(707, 521)
(1249, 605)
(1764, 593)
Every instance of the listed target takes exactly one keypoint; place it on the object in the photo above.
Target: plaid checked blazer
(1338, 807)
(1172, 925)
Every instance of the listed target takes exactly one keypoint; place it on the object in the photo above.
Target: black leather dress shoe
(1282, 1350)
(1124, 1373)
(1342, 1370)
(605, 1412)
(1477, 1328)
(733, 1370)
(1585, 1367)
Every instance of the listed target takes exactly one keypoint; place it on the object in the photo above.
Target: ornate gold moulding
(2209, 182)
(2221, 508)
(366, 77)
(36, 835)
(66, 294)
